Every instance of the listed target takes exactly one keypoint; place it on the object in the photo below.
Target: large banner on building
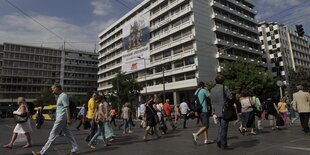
(136, 40)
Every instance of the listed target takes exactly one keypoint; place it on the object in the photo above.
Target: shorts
(204, 119)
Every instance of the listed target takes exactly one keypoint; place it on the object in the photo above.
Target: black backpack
(195, 105)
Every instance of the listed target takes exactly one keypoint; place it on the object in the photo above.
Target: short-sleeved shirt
(167, 109)
(282, 107)
(91, 107)
(126, 111)
(184, 108)
(202, 96)
(217, 98)
(62, 103)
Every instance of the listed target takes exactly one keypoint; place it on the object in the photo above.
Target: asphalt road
(290, 140)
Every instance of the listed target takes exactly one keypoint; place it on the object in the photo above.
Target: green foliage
(241, 75)
(46, 98)
(299, 77)
(125, 89)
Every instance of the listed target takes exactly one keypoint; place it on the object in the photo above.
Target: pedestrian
(177, 114)
(141, 115)
(81, 116)
(21, 128)
(184, 111)
(150, 115)
(238, 108)
(258, 109)
(39, 117)
(168, 110)
(202, 95)
(92, 103)
(100, 116)
(272, 111)
(108, 130)
(113, 116)
(126, 116)
(293, 113)
(282, 107)
(162, 125)
(220, 95)
(247, 113)
(301, 104)
(61, 123)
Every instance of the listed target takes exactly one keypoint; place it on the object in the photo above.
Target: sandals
(91, 146)
(27, 146)
(8, 146)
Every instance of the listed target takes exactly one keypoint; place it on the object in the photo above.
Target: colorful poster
(136, 40)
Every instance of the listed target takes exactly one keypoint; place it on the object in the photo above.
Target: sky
(78, 22)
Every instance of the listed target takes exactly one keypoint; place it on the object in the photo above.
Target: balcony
(171, 31)
(165, 9)
(173, 57)
(110, 51)
(235, 23)
(171, 18)
(173, 43)
(109, 35)
(190, 83)
(236, 34)
(109, 68)
(234, 12)
(242, 6)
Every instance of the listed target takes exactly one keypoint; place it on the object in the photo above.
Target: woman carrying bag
(23, 125)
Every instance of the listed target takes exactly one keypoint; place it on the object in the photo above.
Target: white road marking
(298, 148)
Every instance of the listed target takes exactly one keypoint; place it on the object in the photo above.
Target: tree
(241, 75)
(125, 89)
(299, 77)
(46, 98)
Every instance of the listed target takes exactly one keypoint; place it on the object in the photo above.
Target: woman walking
(151, 113)
(272, 111)
(282, 107)
(21, 128)
(100, 118)
(247, 113)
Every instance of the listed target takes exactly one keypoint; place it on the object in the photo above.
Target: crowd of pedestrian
(98, 116)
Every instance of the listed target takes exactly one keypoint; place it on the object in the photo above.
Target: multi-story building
(27, 70)
(283, 48)
(184, 41)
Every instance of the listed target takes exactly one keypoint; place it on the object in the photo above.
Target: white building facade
(283, 48)
(188, 40)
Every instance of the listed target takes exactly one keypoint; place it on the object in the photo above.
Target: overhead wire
(36, 21)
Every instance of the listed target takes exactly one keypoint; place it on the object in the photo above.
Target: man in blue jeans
(218, 100)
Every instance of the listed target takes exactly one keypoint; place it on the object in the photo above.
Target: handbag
(229, 111)
(155, 115)
(21, 118)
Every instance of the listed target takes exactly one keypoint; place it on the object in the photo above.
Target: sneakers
(195, 138)
(209, 141)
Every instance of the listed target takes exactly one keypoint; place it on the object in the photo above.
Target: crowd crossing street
(289, 140)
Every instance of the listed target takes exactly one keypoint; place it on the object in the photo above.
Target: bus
(49, 112)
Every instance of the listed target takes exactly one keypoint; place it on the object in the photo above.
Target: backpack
(196, 106)
(31, 108)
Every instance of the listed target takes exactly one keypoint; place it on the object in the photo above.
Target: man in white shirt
(184, 111)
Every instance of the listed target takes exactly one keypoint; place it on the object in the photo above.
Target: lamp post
(144, 74)
(164, 91)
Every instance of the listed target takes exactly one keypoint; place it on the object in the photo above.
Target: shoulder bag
(21, 118)
(229, 111)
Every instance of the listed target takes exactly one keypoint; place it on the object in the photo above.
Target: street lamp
(139, 57)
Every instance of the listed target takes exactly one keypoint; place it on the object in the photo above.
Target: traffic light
(300, 30)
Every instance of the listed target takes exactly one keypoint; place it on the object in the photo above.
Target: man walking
(167, 108)
(92, 103)
(61, 123)
(184, 111)
(301, 104)
(218, 99)
(201, 95)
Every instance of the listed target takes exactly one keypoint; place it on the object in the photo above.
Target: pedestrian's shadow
(247, 143)
(103, 149)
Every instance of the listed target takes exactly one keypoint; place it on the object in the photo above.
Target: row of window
(80, 69)
(169, 14)
(23, 80)
(236, 29)
(240, 53)
(27, 72)
(236, 40)
(170, 26)
(81, 90)
(24, 88)
(236, 8)
(80, 83)
(32, 65)
(80, 62)
(80, 76)
(32, 50)
(32, 57)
